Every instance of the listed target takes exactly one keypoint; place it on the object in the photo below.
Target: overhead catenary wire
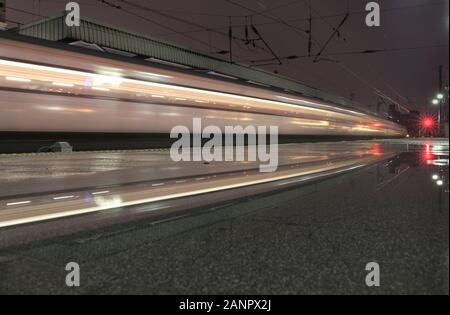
(369, 66)
(372, 51)
(175, 18)
(296, 29)
(265, 14)
(335, 32)
(299, 31)
(339, 63)
(266, 44)
(184, 12)
(312, 9)
(329, 16)
(114, 6)
(184, 21)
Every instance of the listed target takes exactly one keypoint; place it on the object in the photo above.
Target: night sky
(413, 36)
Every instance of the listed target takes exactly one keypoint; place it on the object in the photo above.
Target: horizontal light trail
(75, 81)
(244, 182)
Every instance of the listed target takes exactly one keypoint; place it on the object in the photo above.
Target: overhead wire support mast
(335, 32)
(171, 17)
(311, 8)
(310, 32)
(230, 40)
(366, 52)
(377, 91)
(255, 30)
(296, 30)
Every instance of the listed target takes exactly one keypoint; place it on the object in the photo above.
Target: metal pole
(230, 40)
(440, 101)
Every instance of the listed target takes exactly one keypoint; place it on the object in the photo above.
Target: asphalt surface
(309, 239)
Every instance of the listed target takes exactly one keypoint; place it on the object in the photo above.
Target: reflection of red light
(427, 155)
(377, 125)
(427, 122)
(376, 150)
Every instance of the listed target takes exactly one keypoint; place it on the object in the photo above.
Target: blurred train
(59, 92)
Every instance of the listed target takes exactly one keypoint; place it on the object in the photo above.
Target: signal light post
(439, 100)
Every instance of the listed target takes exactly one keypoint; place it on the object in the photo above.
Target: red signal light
(427, 123)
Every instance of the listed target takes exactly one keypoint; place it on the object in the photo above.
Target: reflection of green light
(441, 162)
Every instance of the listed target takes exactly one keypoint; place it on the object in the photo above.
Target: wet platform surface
(306, 239)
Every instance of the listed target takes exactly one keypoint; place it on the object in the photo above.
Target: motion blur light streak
(63, 84)
(124, 86)
(63, 197)
(9, 204)
(115, 82)
(100, 89)
(100, 192)
(17, 79)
